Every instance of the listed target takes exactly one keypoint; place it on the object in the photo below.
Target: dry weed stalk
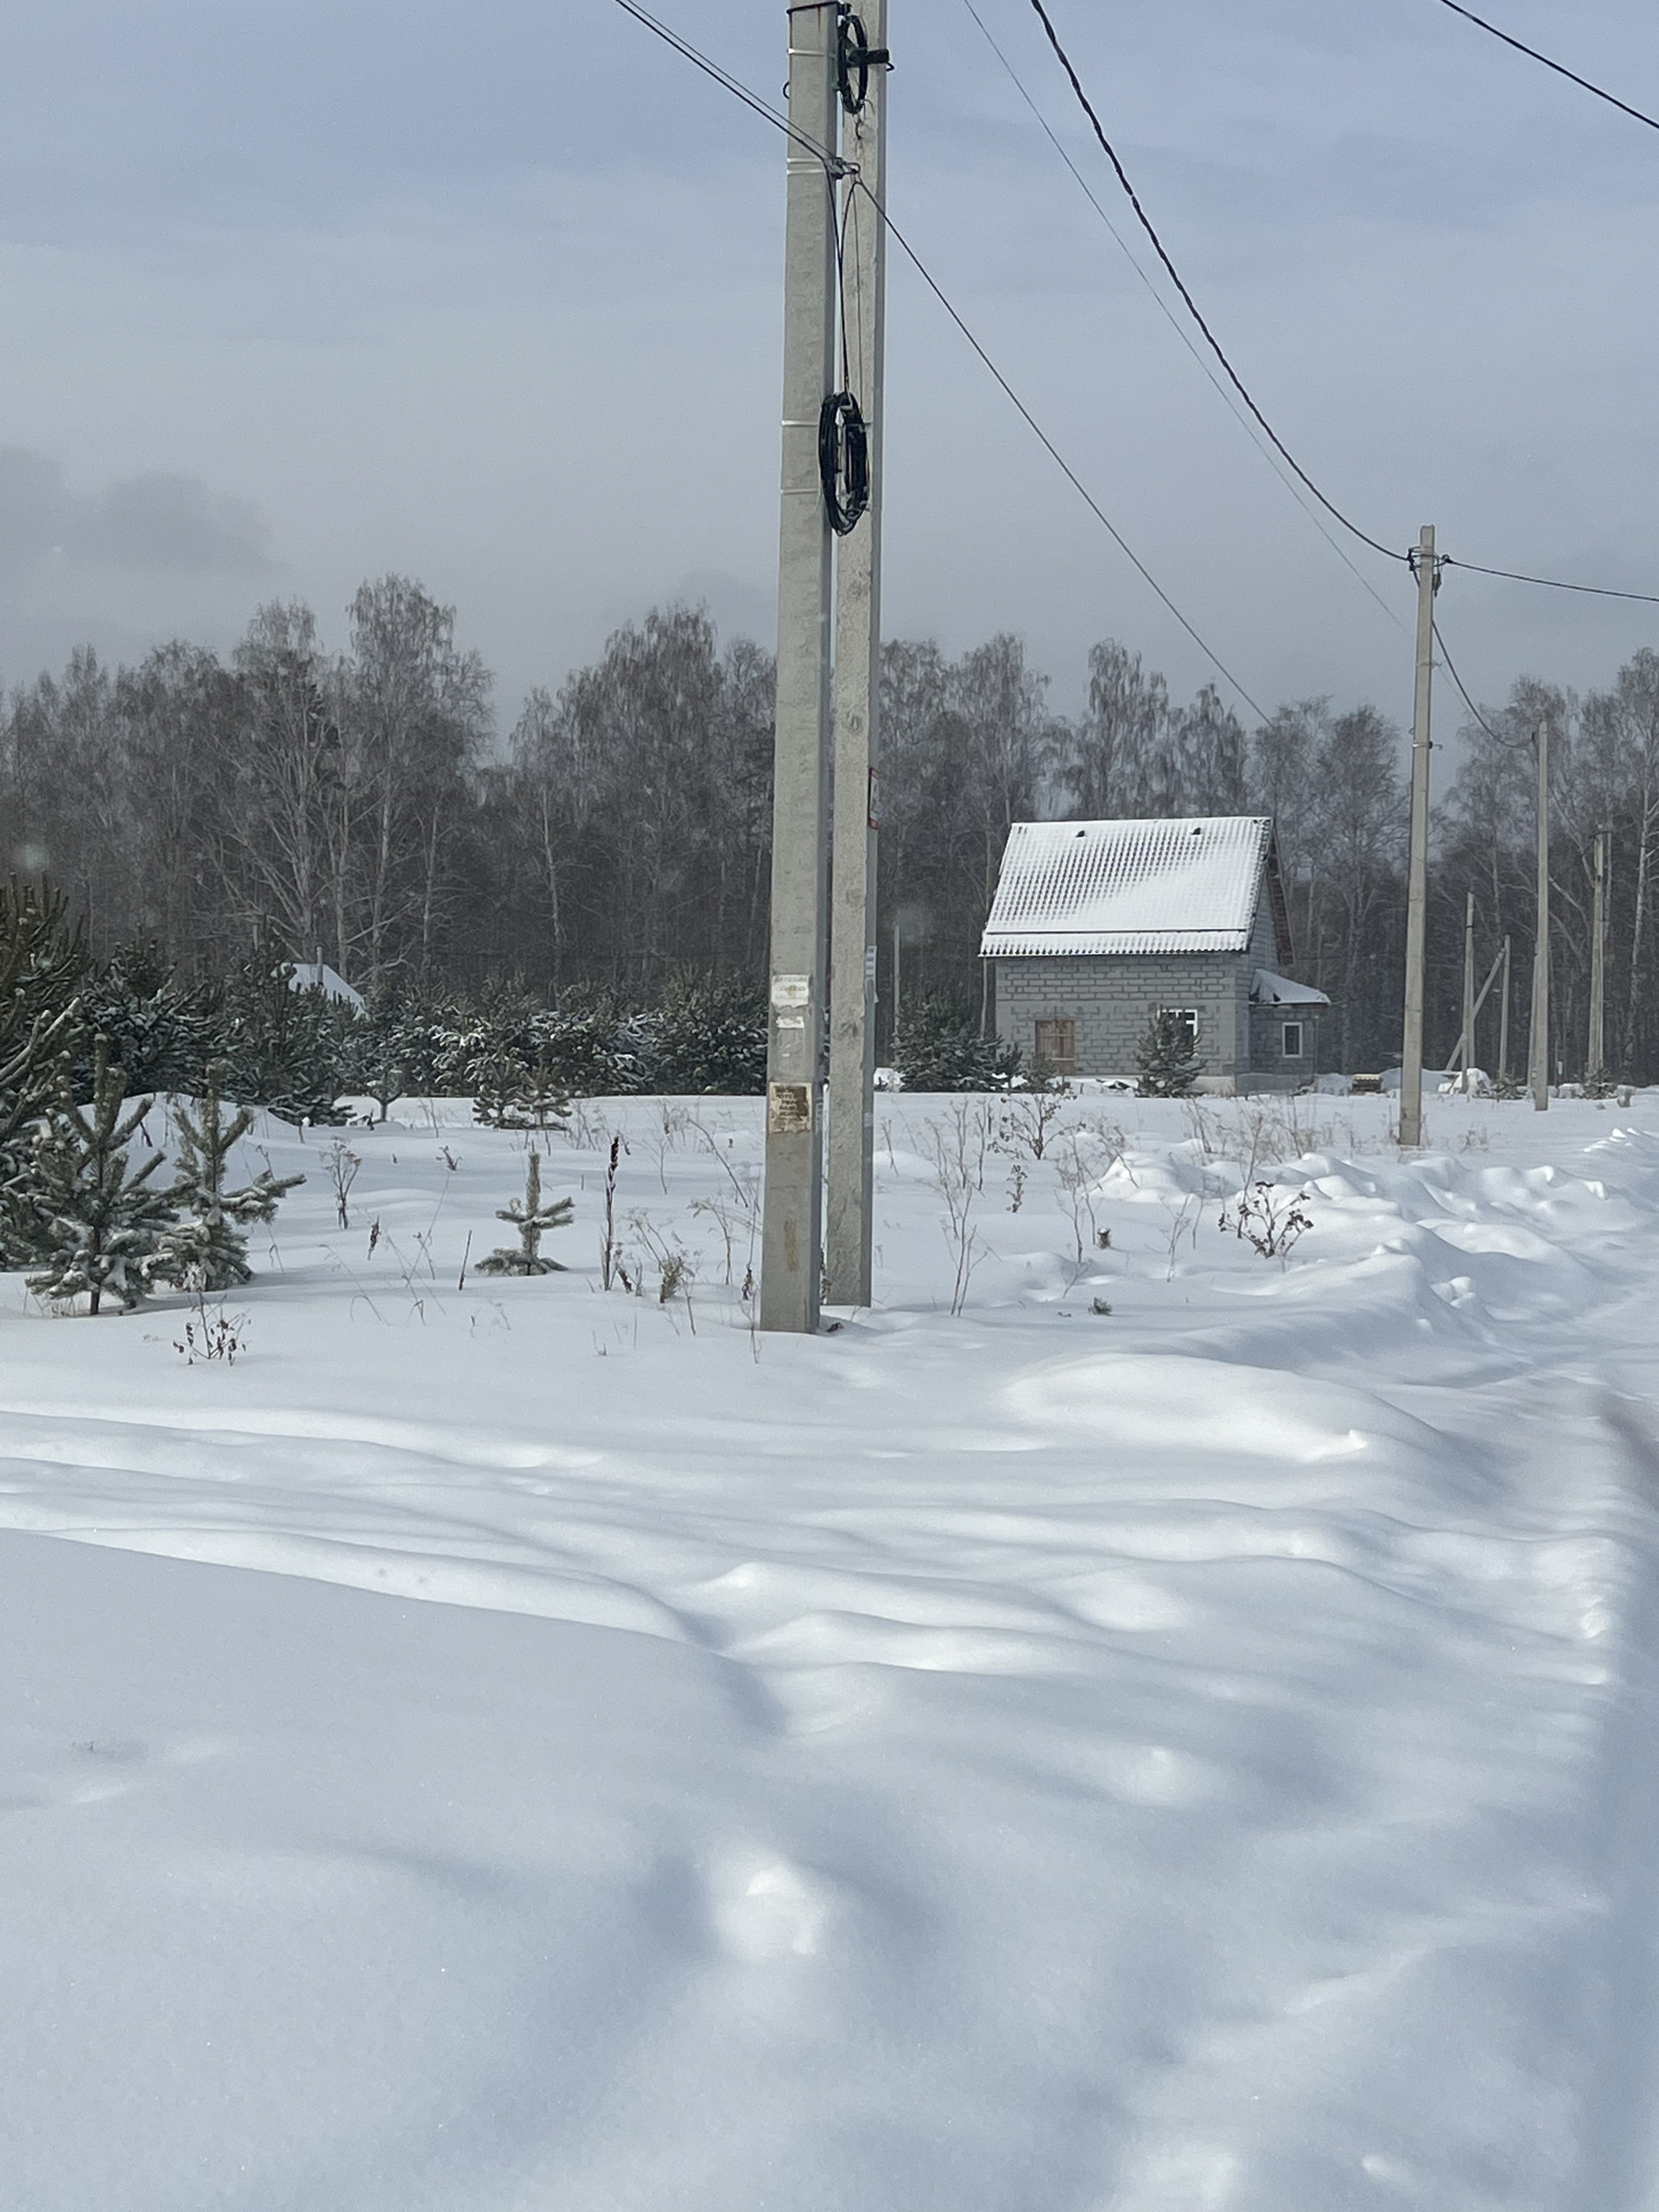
(958, 1145)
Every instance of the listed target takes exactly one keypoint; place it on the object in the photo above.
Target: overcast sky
(297, 293)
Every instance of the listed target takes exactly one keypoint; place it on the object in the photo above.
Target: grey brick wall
(1112, 998)
(1272, 1069)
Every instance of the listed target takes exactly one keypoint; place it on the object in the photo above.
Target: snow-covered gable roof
(1270, 989)
(1189, 886)
(318, 976)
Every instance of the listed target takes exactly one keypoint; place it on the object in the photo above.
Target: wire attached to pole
(834, 169)
(833, 166)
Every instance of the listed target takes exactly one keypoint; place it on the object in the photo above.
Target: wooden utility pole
(1595, 1058)
(1538, 1042)
(792, 1219)
(858, 698)
(1427, 570)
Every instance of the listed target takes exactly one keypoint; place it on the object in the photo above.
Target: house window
(1056, 1045)
(1290, 1040)
(1188, 1018)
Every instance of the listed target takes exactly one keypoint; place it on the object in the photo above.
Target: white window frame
(1186, 1014)
(1300, 1052)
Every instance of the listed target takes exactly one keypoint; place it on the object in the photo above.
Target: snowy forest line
(358, 805)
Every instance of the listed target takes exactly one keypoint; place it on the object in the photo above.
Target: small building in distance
(1097, 926)
(318, 976)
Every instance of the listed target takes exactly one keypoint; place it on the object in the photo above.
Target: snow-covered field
(527, 1746)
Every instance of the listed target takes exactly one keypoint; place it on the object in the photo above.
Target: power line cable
(1510, 576)
(1057, 456)
(1560, 68)
(751, 100)
(833, 167)
(1175, 278)
(1552, 583)
(1508, 744)
(1451, 670)
(1178, 326)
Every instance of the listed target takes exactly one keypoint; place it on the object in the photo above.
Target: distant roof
(318, 976)
(1270, 989)
(1189, 886)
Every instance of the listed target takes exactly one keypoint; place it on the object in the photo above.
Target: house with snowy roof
(318, 976)
(1097, 926)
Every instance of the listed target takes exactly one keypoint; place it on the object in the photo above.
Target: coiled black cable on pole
(843, 460)
(855, 59)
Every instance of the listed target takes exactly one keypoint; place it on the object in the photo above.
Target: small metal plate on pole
(789, 1109)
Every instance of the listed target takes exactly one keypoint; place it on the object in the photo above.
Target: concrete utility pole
(1411, 1058)
(1595, 1059)
(1538, 1043)
(791, 1217)
(1504, 1022)
(857, 717)
(1466, 1043)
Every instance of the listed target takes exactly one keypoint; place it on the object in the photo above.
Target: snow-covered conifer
(532, 1217)
(206, 1250)
(96, 1225)
(514, 1094)
(1164, 1059)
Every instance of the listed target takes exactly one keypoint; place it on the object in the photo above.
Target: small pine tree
(43, 964)
(284, 1048)
(1165, 1059)
(939, 1047)
(206, 1249)
(709, 1036)
(160, 1026)
(376, 1061)
(531, 1219)
(512, 1093)
(96, 1226)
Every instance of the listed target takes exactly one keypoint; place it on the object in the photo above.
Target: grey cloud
(34, 507)
(163, 521)
(157, 523)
